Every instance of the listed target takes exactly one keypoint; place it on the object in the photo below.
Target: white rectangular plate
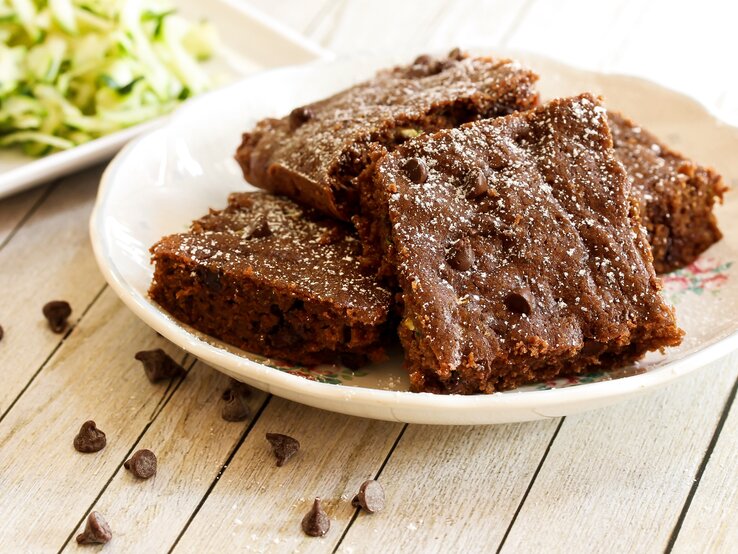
(251, 42)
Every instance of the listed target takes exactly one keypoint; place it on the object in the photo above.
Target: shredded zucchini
(74, 70)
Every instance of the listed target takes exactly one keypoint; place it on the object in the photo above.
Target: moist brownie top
(271, 240)
(328, 139)
(516, 237)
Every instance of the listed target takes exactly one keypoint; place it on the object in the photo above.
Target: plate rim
(316, 394)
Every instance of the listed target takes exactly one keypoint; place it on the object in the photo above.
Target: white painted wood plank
(49, 258)
(257, 506)
(15, 208)
(297, 14)
(191, 442)
(47, 485)
(615, 480)
(711, 524)
(452, 489)
(414, 26)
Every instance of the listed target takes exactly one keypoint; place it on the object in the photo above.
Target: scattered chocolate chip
(518, 302)
(236, 387)
(415, 170)
(260, 230)
(57, 312)
(284, 447)
(370, 497)
(299, 116)
(461, 255)
(142, 464)
(2, 332)
(475, 183)
(97, 530)
(497, 160)
(89, 438)
(316, 522)
(235, 407)
(456, 54)
(158, 365)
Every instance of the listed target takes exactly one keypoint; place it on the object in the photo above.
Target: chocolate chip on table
(97, 530)
(316, 522)
(299, 116)
(235, 407)
(56, 312)
(142, 464)
(284, 447)
(370, 497)
(415, 170)
(2, 332)
(89, 438)
(237, 387)
(158, 365)
(475, 183)
(461, 255)
(519, 302)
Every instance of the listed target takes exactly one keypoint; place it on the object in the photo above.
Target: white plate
(168, 177)
(251, 41)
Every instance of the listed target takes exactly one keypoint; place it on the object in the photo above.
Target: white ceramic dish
(251, 42)
(168, 177)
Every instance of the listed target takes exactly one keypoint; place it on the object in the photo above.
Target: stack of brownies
(505, 241)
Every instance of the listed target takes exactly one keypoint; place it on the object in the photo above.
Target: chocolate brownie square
(315, 154)
(274, 278)
(676, 195)
(518, 250)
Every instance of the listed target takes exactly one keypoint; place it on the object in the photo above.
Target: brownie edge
(273, 278)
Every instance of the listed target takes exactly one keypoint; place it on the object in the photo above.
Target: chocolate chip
(415, 170)
(2, 332)
(97, 530)
(461, 255)
(284, 447)
(89, 438)
(235, 407)
(57, 312)
(370, 497)
(316, 522)
(423, 59)
(260, 230)
(142, 464)
(456, 54)
(211, 279)
(236, 387)
(300, 116)
(475, 183)
(518, 302)
(158, 365)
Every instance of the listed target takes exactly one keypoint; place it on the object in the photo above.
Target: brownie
(676, 195)
(518, 250)
(314, 154)
(274, 278)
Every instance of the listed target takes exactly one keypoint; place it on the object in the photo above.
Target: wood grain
(191, 442)
(15, 209)
(615, 480)
(49, 258)
(711, 524)
(259, 506)
(452, 489)
(46, 485)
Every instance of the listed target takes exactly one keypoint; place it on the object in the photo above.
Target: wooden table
(651, 474)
